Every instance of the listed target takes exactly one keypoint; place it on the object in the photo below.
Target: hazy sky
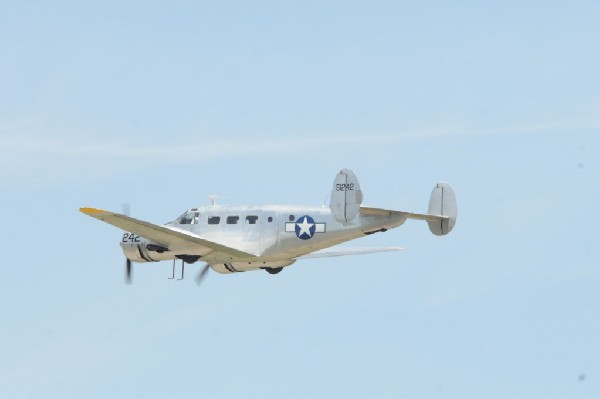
(163, 104)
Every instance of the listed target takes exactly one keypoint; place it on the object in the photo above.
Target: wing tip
(91, 211)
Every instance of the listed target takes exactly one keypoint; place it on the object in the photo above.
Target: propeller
(127, 271)
(126, 209)
(202, 274)
(128, 266)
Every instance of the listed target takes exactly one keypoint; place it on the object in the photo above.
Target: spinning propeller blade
(126, 208)
(201, 275)
(127, 271)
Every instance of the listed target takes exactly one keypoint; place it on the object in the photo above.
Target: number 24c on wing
(344, 187)
(130, 238)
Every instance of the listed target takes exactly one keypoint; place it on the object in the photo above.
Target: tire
(273, 270)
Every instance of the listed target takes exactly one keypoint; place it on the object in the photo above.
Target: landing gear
(184, 259)
(182, 270)
(273, 270)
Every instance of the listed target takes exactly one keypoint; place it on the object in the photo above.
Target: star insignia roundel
(305, 227)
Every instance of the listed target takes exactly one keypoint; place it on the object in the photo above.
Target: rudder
(442, 203)
(346, 196)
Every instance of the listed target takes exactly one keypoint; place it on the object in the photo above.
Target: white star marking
(305, 227)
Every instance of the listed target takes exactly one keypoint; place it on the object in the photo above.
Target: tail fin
(442, 203)
(346, 196)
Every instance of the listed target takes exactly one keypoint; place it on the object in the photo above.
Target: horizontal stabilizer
(441, 217)
(367, 211)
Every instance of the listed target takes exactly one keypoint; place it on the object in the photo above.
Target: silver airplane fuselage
(233, 239)
(276, 234)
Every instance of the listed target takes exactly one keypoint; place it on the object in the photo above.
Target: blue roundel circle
(305, 227)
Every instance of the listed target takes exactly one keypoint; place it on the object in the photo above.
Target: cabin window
(270, 219)
(251, 219)
(214, 220)
(291, 218)
(232, 219)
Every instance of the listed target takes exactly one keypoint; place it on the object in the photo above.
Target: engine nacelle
(139, 249)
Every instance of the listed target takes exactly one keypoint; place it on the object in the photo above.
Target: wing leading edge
(329, 253)
(164, 235)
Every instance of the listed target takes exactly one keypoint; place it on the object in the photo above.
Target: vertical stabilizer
(346, 196)
(442, 203)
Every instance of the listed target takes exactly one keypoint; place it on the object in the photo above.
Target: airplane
(232, 239)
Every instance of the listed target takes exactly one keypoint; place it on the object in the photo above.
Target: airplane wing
(328, 253)
(366, 211)
(166, 236)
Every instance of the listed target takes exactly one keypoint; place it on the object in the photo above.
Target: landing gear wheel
(273, 270)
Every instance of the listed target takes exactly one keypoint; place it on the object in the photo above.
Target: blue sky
(163, 104)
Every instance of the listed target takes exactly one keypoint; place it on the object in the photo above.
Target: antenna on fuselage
(326, 199)
(213, 198)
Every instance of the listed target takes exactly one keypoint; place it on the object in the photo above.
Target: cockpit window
(189, 217)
